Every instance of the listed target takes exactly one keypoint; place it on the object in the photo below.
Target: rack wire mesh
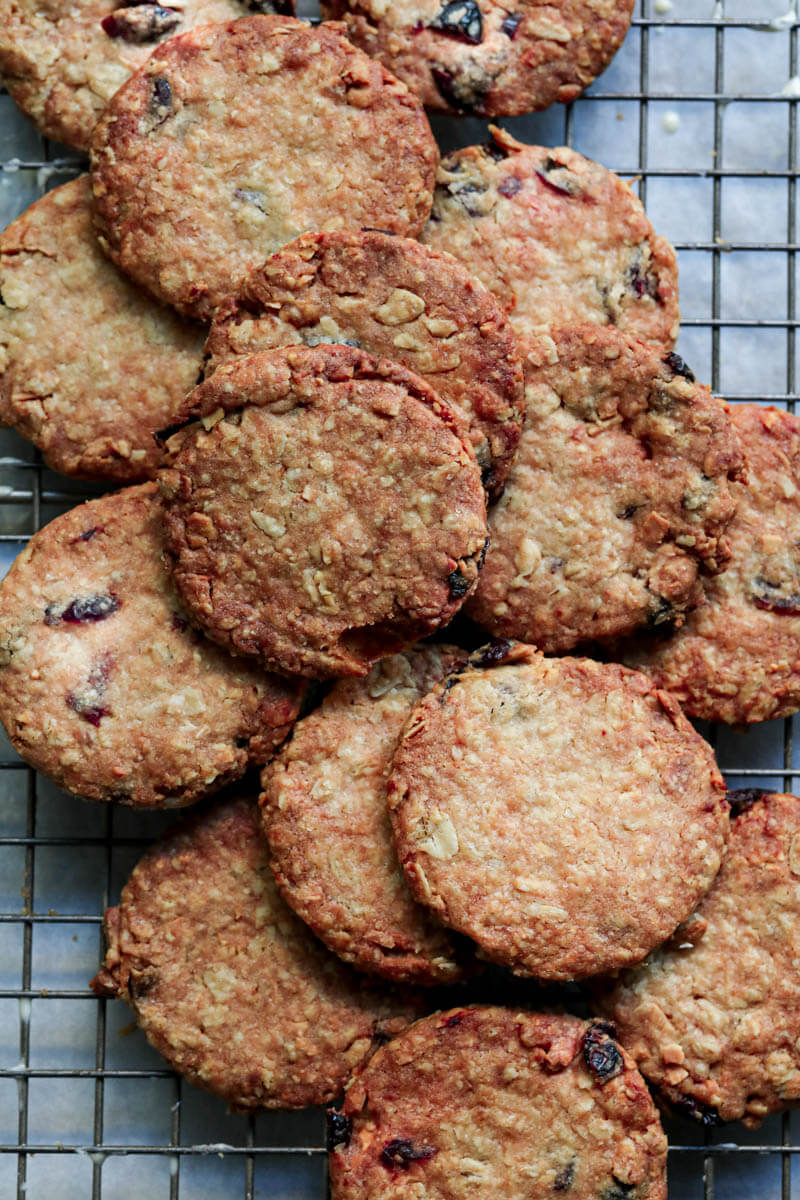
(87, 1109)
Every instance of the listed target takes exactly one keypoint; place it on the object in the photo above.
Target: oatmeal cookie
(491, 1102)
(618, 498)
(487, 58)
(62, 62)
(104, 687)
(560, 812)
(194, 186)
(224, 979)
(559, 239)
(713, 1017)
(327, 824)
(328, 515)
(90, 366)
(737, 657)
(396, 299)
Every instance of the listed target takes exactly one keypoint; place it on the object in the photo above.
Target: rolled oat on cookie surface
(618, 501)
(493, 1102)
(324, 512)
(227, 983)
(713, 1017)
(561, 812)
(104, 686)
(396, 299)
(233, 139)
(558, 238)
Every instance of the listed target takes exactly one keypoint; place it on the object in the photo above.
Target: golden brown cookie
(492, 1102)
(233, 139)
(396, 299)
(226, 982)
(104, 687)
(713, 1017)
(324, 514)
(560, 812)
(619, 497)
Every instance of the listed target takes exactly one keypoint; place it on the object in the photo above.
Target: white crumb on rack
(778, 24)
(24, 1010)
(98, 1157)
(214, 1148)
(670, 121)
(718, 11)
(173, 1165)
(662, 6)
(791, 87)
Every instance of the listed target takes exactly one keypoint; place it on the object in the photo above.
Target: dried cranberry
(630, 510)
(88, 534)
(661, 615)
(511, 24)
(617, 1190)
(87, 702)
(678, 366)
(565, 1178)
(142, 23)
(689, 1107)
(642, 283)
(740, 799)
(509, 186)
(279, 8)
(460, 19)
(465, 97)
(457, 585)
(494, 653)
(455, 1018)
(769, 597)
(559, 177)
(400, 1153)
(160, 98)
(601, 1053)
(339, 1129)
(82, 610)
(179, 622)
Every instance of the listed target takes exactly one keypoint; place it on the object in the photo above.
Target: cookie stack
(357, 398)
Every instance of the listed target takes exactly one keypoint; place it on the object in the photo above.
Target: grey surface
(721, 183)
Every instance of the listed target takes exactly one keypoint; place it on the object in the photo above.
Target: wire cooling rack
(700, 108)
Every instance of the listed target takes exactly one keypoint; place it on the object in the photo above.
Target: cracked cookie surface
(486, 58)
(560, 812)
(617, 500)
(90, 366)
(713, 1017)
(226, 982)
(328, 516)
(327, 823)
(396, 299)
(495, 1102)
(104, 687)
(737, 657)
(193, 187)
(558, 238)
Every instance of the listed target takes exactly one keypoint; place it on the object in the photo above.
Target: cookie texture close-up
(90, 366)
(619, 497)
(104, 687)
(323, 513)
(327, 823)
(737, 658)
(485, 58)
(194, 186)
(396, 299)
(560, 812)
(713, 1017)
(226, 982)
(492, 1102)
(62, 62)
(558, 238)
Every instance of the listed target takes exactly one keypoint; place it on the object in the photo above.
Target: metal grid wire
(50, 845)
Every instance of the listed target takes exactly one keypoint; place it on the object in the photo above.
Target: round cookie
(193, 186)
(737, 657)
(560, 812)
(396, 299)
(104, 688)
(62, 62)
(713, 1017)
(328, 515)
(482, 58)
(90, 366)
(327, 824)
(496, 1102)
(559, 239)
(618, 498)
(226, 982)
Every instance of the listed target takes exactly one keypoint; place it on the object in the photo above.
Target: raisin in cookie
(713, 1017)
(194, 186)
(396, 299)
(737, 658)
(559, 239)
(491, 1102)
(328, 516)
(62, 62)
(104, 687)
(618, 498)
(90, 366)
(327, 824)
(560, 812)
(224, 979)
(486, 58)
